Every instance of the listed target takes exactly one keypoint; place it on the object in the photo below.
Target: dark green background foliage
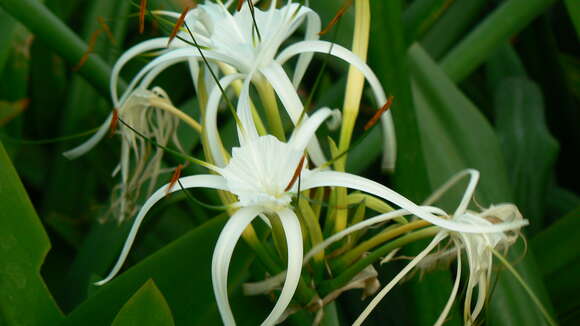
(491, 85)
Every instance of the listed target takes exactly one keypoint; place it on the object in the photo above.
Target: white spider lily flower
(232, 39)
(478, 233)
(262, 174)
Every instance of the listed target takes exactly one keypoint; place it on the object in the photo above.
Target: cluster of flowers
(266, 175)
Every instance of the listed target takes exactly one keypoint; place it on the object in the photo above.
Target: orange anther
(378, 114)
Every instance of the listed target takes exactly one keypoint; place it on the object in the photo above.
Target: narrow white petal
(306, 131)
(91, 142)
(453, 295)
(342, 179)
(437, 194)
(213, 137)
(173, 57)
(196, 181)
(390, 151)
(293, 234)
(156, 43)
(289, 98)
(248, 131)
(311, 33)
(222, 256)
(440, 236)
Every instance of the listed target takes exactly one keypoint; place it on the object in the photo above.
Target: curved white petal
(306, 131)
(336, 50)
(196, 181)
(293, 234)
(83, 148)
(342, 179)
(365, 224)
(156, 43)
(176, 56)
(289, 98)
(311, 33)
(443, 316)
(222, 256)
(247, 131)
(437, 194)
(213, 137)
(361, 318)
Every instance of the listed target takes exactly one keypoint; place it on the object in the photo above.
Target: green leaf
(146, 307)
(557, 246)
(181, 270)
(529, 148)
(456, 136)
(421, 15)
(573, 8)
(454, 23)
(25, 299)
(507, 20)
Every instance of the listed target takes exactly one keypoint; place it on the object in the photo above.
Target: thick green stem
(52, 31)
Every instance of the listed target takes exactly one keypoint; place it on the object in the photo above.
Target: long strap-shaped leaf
(24, 298)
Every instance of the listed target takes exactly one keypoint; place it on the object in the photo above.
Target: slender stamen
(176, 175)
(90, 47)
(142, 7)
(107, 30)
(114, 123)
(178, 24)
(379, 113)
(336, 18)
(296, 173)
(255, 25)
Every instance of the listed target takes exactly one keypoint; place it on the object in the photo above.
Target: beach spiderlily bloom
(478, 233)
(246, 43)
(262, 174)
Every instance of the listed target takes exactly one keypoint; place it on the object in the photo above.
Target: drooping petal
(443, 316)
(149, 45)
(293, 234)
(361, 318)
(222, 256)
(336, 50)
(83, 148)
(247, 131)
(290, 100)
(210, 126)
(342, 179)
(311, 33)
(176, 56)
(306, 131)
(196, 181)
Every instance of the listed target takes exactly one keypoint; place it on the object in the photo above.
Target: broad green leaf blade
(421, 15)
(529, 148)
(146, 307)
(454, 23)
(181, 270)
(573, 8)
(507, 20)
(557, 246)
(25, 299)
(456, 136)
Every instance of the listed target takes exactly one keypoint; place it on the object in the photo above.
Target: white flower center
(260, 171)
